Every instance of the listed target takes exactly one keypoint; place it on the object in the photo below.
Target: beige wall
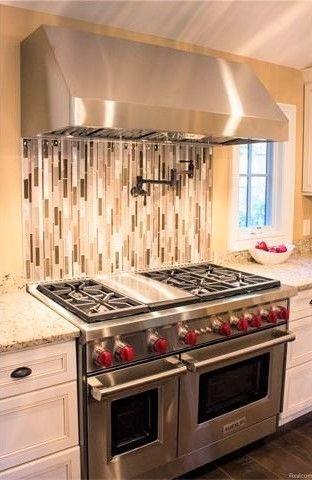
(285, 85)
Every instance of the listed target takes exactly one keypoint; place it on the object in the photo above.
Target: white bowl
(271, 258)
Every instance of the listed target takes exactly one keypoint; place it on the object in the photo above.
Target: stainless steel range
(177, 366)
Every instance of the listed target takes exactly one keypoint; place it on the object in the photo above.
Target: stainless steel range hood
(81, 84)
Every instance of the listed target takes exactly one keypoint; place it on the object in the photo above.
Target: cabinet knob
(21, 372)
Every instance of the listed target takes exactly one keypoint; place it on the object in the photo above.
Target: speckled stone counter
(26, 322)
(297, 271)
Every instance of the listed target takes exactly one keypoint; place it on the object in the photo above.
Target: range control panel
(179, 336)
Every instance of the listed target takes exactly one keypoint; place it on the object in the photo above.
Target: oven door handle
(99, 392)
(194, 365)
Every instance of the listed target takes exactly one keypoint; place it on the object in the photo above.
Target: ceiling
(275, 31)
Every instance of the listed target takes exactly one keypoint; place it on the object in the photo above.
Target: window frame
(283, 189)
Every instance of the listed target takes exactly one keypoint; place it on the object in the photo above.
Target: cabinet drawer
(63, 465)
(298, 390)
(300, 305)
(37, 424)
(300, 351)
(50, 365)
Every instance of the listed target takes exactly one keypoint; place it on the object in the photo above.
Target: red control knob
(190, 338)
(161, 345)
(127, 353)
(103, 358)
(272, 317)
(242, 324)
(225, 329)
(256, 321)
(283, 313)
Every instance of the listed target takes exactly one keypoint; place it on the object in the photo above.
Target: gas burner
(99, 308)
(199, 291)
(77, 296)
(91, 300)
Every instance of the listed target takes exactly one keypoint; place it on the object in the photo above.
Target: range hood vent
(85, 85)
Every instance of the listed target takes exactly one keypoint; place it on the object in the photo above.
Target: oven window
(232, 387)
(134, 421)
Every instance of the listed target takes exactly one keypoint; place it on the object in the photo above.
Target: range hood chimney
(81, 84)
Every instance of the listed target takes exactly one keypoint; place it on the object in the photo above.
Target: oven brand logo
(231, 427)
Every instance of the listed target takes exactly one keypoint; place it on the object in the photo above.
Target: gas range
(139, 316)
(160, 343)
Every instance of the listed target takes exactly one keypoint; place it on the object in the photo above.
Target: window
(255, 184)
(262, 191)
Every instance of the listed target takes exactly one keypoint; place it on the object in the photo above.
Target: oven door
(230, 387)
(132, 419)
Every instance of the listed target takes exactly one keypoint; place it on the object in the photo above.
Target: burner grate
(91, 300)
(209, 281)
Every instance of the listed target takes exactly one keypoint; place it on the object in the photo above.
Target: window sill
(245, 242)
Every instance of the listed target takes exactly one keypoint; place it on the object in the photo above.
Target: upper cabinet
(307, 141)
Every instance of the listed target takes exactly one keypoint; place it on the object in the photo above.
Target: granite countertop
(26, 322)
(297, 271)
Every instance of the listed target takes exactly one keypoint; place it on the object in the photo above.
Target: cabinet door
(300, 351)
(298, 390)
(49, 365)
(63, 465)
(300, 305)
(307, 149)
(37, 424)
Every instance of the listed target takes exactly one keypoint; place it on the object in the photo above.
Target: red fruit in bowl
(278, 249)
(262, 246)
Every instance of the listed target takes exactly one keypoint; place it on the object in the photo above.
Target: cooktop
(128, 294)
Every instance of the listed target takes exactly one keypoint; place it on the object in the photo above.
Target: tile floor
(285, 455)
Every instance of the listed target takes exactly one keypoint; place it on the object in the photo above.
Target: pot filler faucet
(138, 190)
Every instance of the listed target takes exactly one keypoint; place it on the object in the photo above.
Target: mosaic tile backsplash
(80, 218)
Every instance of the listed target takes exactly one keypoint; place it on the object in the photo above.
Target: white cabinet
(307, 145)
(298, 378)
(298, 391)
(300, 351)
(37, 424)
(39, 414)
(50, 365)
(59, 466)
(301, 306)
